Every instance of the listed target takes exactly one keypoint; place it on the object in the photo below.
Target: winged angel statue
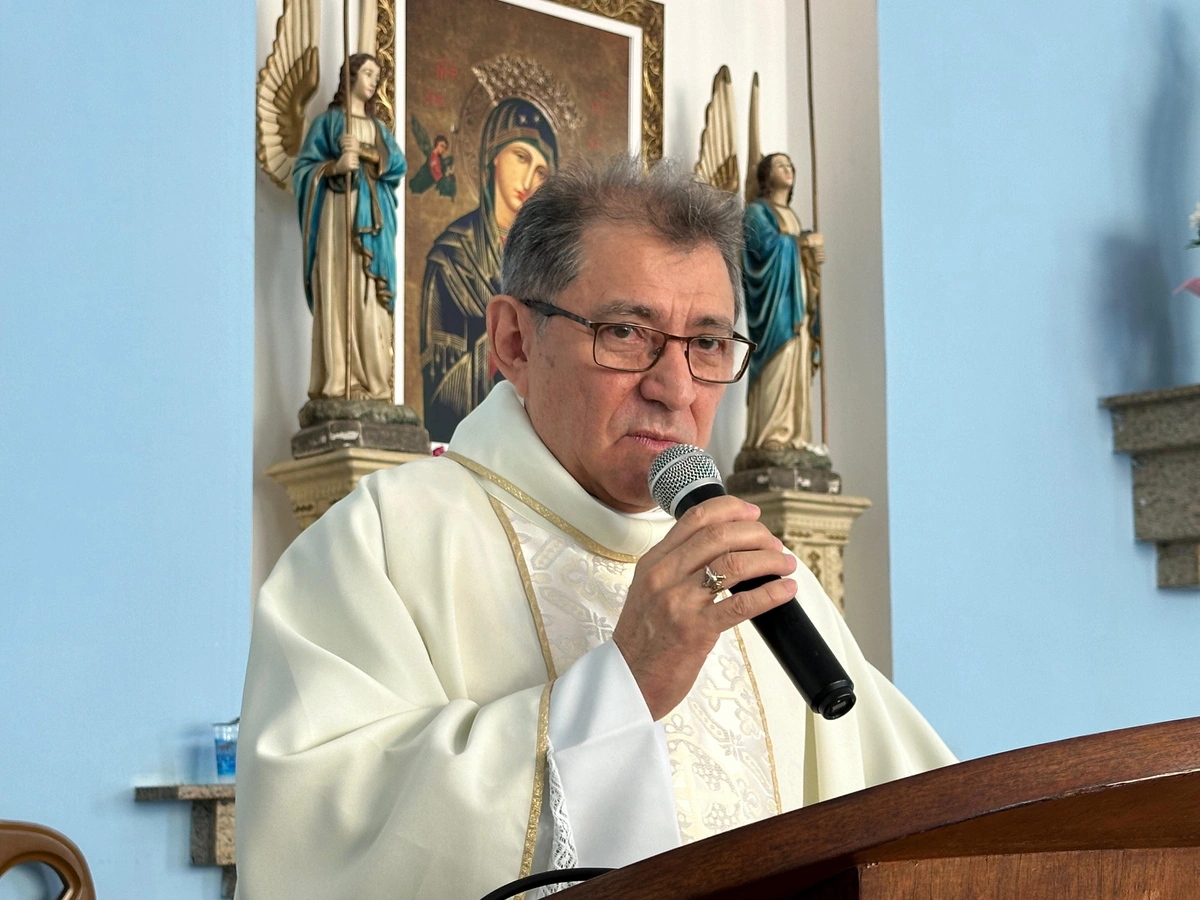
(349, 245)
(781, 273)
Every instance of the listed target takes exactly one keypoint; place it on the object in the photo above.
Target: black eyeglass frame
(549, 309)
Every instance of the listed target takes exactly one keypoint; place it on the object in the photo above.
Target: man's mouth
(654, 440)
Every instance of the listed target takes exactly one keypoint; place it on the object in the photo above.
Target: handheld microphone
(683, 476)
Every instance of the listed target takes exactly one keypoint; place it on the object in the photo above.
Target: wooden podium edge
(1135, 787)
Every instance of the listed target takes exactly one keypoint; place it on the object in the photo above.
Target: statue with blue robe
(781, 276)
(370, 154)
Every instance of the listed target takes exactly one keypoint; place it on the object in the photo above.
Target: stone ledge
(213, 824)
(185, 792)
(1166, 491)
(1160, 430)
(1140, 398)
(1155, 420)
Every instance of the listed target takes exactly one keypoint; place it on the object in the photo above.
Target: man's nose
(669, 381)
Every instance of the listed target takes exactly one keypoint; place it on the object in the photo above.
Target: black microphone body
(790, 633)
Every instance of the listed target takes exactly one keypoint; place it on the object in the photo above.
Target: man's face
(606, 427)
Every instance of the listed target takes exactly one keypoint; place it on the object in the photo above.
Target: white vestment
(434, 705)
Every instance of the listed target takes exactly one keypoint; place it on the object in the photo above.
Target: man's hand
(670, 622)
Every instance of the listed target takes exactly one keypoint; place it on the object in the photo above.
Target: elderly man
(506, 659)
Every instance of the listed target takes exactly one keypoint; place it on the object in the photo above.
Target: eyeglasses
(717, 359)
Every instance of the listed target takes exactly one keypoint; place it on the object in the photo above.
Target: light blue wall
(126, 361)
(1040, 161)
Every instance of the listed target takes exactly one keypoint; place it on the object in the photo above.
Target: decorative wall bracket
(1161, 431)
(212, 824)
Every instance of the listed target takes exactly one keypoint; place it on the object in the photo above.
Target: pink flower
(1192, 284)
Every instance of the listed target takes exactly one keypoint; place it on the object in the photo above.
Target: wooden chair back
(24, 842)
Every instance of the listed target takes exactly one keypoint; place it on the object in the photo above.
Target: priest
(506, 659)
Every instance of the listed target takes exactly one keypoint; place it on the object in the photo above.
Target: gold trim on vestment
(543, 729)
(762, 714)
(539, 778)
(545, 512)
(527, 582)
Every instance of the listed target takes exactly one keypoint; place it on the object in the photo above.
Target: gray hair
(544, 249)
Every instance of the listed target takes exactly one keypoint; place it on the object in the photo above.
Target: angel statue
(350, 285)
(781, 267)
(368, 151)
(781, 272)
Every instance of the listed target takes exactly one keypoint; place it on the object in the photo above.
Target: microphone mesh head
(676, 471)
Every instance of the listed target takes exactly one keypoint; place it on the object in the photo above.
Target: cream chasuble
(721, 769)
(440, 639)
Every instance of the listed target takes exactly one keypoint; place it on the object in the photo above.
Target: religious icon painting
(499, 95)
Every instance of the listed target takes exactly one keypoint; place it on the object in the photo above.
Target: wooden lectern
(1114, 815)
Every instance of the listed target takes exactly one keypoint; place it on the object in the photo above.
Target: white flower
(1194, 218)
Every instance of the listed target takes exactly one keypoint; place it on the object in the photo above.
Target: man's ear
(510, 333)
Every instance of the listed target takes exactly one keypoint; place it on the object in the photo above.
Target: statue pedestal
(814, 526)
(340, 441)
(315, 483)
(331, 423)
